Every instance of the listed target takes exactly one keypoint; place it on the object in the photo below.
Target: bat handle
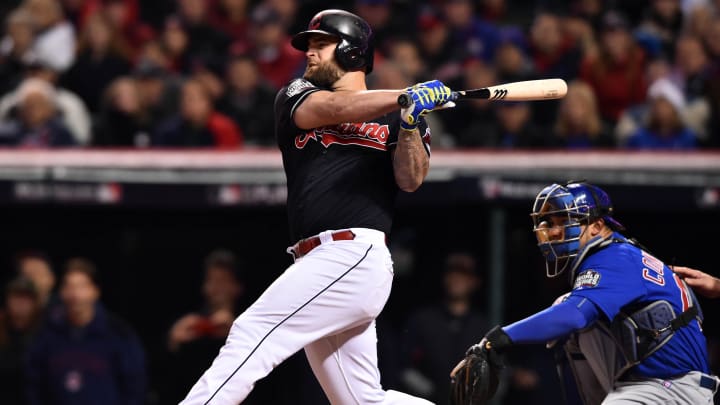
(404, 100)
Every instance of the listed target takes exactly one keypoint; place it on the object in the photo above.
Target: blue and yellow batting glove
(422, 103)
(439, 92)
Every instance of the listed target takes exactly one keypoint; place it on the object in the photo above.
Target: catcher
(630, 328)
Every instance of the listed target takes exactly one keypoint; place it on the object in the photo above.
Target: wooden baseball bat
(529, 90)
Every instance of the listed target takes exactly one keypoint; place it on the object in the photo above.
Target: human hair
(223, 259)
(23, 255)
(585, 93)
(84, 266)
(116, 44)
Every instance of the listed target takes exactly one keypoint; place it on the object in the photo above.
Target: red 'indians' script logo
(367, 134)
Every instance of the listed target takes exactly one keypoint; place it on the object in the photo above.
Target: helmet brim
(300, 40)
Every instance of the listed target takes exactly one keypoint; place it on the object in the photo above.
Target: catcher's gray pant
(326, 303)
(676, 391)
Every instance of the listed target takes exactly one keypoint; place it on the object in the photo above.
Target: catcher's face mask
(558, 224)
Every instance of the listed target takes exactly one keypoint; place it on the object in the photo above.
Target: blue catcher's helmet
(575, 204)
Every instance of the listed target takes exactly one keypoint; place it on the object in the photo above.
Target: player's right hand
(422, 103)
(424, 99)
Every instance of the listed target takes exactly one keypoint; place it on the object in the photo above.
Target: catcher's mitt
(475, 379)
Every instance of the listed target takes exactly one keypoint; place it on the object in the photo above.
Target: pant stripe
(283, 321)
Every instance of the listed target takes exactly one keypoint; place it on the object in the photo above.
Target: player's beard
(323, 74)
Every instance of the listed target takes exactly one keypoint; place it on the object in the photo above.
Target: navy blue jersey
(338, 176)
(622, 275)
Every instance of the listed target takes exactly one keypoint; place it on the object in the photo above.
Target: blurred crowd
(60, 343)
(204, 73)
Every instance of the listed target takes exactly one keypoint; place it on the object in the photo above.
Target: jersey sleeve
(610, 280)
(288, 99)
(423, 127)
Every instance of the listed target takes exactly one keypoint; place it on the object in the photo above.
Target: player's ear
(597, 226)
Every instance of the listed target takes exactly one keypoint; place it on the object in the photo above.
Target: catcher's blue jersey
(622, 274)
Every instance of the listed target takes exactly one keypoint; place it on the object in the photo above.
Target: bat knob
(404, 100)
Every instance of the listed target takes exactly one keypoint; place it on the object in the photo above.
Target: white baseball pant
(326, 303)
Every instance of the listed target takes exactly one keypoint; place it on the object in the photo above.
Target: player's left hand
(439, 92)
(475, 379)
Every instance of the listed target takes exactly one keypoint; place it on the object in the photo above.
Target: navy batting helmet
(578, 204)
(354, 50)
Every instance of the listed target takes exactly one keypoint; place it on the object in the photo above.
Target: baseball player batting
(630, 329)
(346, 153)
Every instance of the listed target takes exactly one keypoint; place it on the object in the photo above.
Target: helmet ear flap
(348, 56)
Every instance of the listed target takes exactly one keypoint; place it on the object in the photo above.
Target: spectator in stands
(553, 55)
(37, 123)
(246, 101)
(589, 10)
(16, 48)
(664, 127)
(204, 41)
(231, 17)
(472, 37)
(404, 53)
(153, 52)
(279, 62)
(552, 52)
(473, 123)
(210, 75)
(511, 60)
(55, 36)
(71, 110)
(159, 91)
(122, 120)
(516, 127)
(578, 124)
(85, 354)
(580, 32)
(698, 17)
(102, 57)
(616, 72)
(436, 333)
(195, 338)
(74, 11)
(389, 75)
(632, 118)
(435, 44)
(19, 319)
(198, 124)
(709, 36)
(712, 45)
(36, 267)
(124, 15)
(493, 10)
(287, 10)
(174, 40)
(693, 69)
(663, 21)
(378, 13)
